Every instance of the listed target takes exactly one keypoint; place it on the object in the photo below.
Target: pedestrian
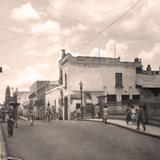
(49, 113)
(141, 118)
(105, 114)
(10, 126)
(128, 114)
(97, 110)
(78, 112)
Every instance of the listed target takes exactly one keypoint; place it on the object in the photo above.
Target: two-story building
(87, 80)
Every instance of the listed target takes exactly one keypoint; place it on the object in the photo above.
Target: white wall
(98, 78)
(95, 78)
(53, 96)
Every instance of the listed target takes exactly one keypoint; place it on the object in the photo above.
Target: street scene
(62, 140)
(79, 80)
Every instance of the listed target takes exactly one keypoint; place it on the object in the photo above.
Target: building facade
(85, 80)
(37, 95)
(22, 99)
(54, 99)
(148, 82)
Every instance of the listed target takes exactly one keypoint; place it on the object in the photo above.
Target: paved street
(75, 140)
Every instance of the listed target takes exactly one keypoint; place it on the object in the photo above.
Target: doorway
(66, 108)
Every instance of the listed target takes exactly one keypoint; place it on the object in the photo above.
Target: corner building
(104, 79)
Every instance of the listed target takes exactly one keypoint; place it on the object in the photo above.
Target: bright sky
(50, 25)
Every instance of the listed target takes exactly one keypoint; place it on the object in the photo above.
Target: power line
(1, 29)
(22, 36)
(108, 26)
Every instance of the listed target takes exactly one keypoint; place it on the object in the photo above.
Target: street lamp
(81, 87)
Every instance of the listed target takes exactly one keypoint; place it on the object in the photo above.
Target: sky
(33, 32)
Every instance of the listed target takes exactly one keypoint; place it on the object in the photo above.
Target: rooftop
(87, 60)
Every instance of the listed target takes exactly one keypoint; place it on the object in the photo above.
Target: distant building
(22, 99)
(104, 80)
(54, 98)
(38, 96)
(148, 82)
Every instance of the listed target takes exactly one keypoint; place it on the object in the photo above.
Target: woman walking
(105, 114)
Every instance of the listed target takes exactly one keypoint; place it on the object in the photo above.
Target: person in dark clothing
(10, 126)
(128, 115)
(140, 118)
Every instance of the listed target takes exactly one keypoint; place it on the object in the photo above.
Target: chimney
(63, 53)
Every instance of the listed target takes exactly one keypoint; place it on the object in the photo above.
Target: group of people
(139, 116)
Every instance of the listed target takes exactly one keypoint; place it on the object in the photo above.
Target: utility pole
(115, 50)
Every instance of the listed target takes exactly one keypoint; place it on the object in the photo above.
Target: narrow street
(75, 140)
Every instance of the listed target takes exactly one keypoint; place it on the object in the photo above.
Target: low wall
(152, 113)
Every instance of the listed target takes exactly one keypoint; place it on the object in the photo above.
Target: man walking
(10, 126)
(128, 115)
(140, 118)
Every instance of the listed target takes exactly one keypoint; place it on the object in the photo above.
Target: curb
(3, 152)
(23, 118)
(131, 129)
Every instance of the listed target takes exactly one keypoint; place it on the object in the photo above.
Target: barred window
(118, 80)
(136, 97)
(125, 97)
(111, 98)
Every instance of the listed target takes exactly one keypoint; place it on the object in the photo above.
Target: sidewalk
(150, 130)
(3, 154)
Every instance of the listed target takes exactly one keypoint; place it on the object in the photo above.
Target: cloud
(112, 49)
(85, 10)
(152, 56)
(24, 78)
(32, 53)
(147, 14)
(24, 13)
(49, 25)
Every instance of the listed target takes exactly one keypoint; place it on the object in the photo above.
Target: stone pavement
(150, 130)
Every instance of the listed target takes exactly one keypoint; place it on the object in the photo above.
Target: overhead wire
(107, 27)
(22, 36)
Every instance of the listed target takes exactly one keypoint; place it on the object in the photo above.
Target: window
(125, 97)
(78, 105)
(61, 77)
(136, 97)
(111, 98)
(118, 80)
(65, 80)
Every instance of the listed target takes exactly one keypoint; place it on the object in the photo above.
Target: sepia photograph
(79, 79)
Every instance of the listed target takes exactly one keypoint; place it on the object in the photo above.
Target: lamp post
(81, 87)
(130, 96)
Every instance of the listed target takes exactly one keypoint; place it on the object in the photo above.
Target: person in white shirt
(105, 114)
